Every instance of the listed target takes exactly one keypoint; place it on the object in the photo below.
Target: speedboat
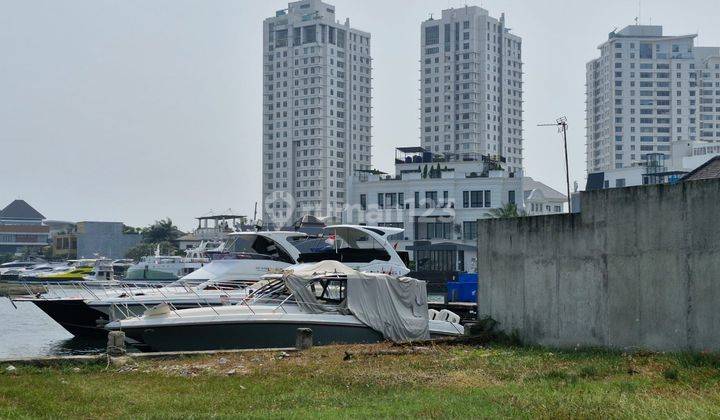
(245, 259)
(339, 304)
(83, 310)
(33, 272)
(228, 277)
(75, 270)
(13, 269)
(13, 265)
(255, 255)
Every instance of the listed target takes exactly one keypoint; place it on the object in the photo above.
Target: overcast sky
(136, 110)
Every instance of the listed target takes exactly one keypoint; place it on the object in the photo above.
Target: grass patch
(588, 372)
(671, 374)
(438, 381)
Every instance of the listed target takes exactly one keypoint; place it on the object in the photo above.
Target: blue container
(467, 277)
(462, 291)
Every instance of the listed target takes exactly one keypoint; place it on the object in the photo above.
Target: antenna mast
(561, 124)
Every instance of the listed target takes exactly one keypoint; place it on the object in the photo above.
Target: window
(430, 199)
(363, 202)
(470, 230)
(381, 202)
(646, 50)
(432, 35)
(475, 199)
(432, 228)
(511, 197)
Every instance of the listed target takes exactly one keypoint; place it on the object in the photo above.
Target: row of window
(471, 199)
(22, 238)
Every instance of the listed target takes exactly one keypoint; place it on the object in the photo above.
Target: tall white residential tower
(316, 110)
(471, 86)
(645, 91)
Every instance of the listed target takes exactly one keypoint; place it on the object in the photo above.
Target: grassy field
(438, 381)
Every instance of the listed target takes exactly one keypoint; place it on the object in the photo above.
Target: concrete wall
(105, 239)
(638, 268)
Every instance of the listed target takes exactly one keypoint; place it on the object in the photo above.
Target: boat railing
(201, 300)
(55, 289)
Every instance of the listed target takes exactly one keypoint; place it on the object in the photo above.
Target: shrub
(671, 374)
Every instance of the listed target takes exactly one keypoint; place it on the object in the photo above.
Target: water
(28, 332)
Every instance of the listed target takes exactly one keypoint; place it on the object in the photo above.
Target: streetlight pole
(561, 124)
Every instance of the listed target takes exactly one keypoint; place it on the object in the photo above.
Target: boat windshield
(259, 246)
(328, 290)
(343, 244)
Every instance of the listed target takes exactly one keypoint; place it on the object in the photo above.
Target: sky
(137, 110)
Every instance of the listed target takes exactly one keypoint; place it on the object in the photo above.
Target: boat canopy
(395, 307)
(345, 243)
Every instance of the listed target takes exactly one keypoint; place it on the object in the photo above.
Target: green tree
(161, 231)
(507, 211)
(146, 249)
(425, 172)
(130, 230)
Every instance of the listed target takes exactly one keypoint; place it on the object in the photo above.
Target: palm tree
(507, 211)
(161, 231)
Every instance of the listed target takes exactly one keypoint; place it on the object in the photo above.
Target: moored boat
(339, 304)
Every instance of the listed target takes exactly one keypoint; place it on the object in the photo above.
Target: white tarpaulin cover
(395, 307)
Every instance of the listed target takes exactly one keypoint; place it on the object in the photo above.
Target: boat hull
(74, 316)
(246, 335)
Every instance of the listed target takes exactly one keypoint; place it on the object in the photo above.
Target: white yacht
(33, 272)
(228, 277)
(11, 270)
(251, 256)
(339, 304)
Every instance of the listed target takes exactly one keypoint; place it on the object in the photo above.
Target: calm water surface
(27, 332)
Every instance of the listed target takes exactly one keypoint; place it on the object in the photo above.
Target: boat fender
(160, 309)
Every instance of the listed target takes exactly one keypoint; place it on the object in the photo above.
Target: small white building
(541, 199)
(439, 198)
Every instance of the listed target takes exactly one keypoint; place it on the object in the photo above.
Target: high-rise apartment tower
(471, 86)
(316, 110)
(645, 91)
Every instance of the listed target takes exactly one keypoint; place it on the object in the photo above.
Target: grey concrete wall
(638, 268)
(105, 239)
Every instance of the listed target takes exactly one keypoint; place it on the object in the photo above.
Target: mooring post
(303, 338)
(116, 344)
